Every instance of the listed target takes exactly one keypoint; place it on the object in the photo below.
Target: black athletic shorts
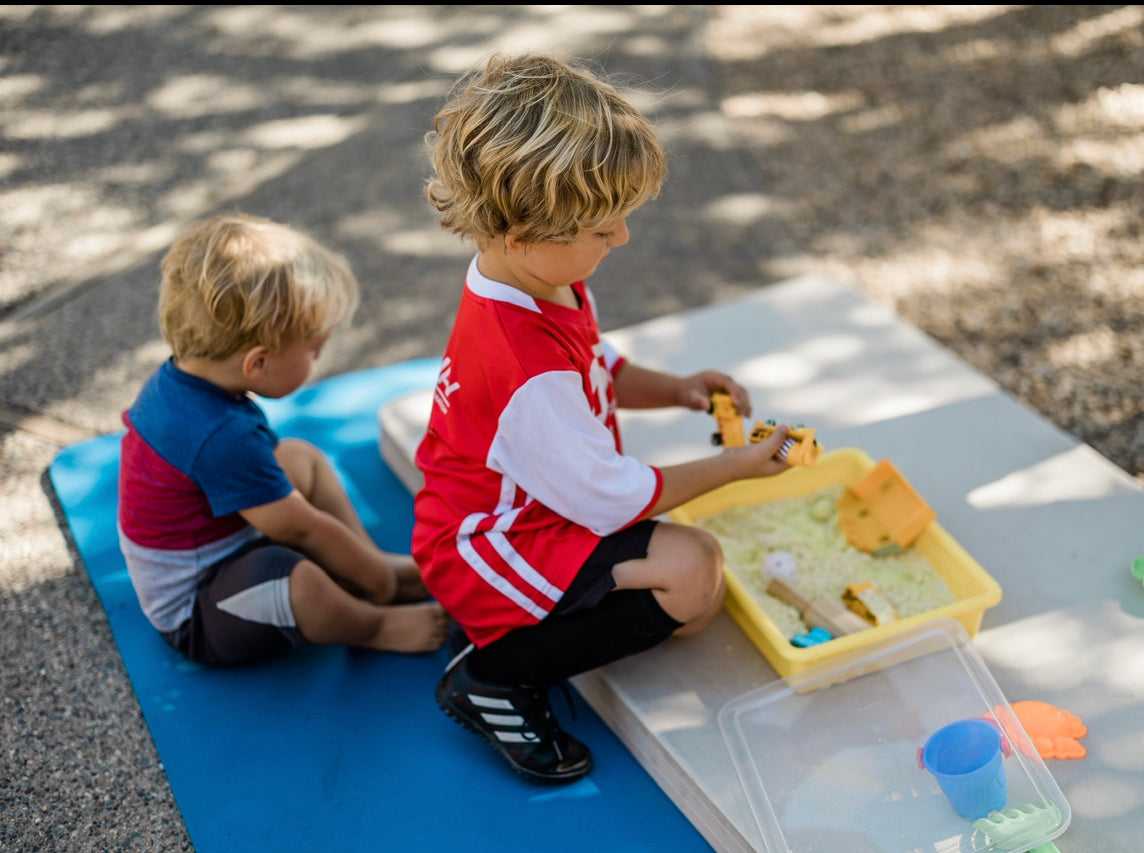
(242, 609)
(595, 580)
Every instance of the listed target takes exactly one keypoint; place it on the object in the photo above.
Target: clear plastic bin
(829, 758)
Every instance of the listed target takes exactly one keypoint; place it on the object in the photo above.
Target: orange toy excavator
(800, 448)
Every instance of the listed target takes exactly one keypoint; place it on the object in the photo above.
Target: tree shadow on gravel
(125, 123)
(979, 171)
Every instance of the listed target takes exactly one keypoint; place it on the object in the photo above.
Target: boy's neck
(496, 265)
(226, 374)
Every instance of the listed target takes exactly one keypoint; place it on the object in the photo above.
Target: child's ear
(512, 241)
(254, 362)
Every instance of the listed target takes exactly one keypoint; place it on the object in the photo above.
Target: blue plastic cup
(965, 758)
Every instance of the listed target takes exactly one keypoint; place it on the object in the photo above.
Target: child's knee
(314, 592)
(692, 572)
(704, 556)
(711, 549)
(703, 594)
(302, 462)
(307, 580)
(292, 452)
(684, 567)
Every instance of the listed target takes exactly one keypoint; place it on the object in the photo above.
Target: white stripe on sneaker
(458, 657)
(503, 720)
(488, 702)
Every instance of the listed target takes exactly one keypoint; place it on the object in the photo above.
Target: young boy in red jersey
(534, 529)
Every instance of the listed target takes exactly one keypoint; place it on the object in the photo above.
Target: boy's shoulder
(177, 409)
(168, 385)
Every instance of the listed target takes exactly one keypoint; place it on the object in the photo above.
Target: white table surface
(1053, 521)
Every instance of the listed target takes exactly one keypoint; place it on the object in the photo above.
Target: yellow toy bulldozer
(800, 448)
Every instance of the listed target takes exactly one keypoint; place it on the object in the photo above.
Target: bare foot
(411, 628)
(410, 587)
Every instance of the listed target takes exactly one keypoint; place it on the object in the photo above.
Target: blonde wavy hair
(237, 281)
(532, 143)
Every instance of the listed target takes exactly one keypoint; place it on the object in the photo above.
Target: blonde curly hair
(531, 143)
(236, 281)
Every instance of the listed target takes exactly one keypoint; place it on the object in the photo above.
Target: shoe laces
(539, 712)
(552, 729)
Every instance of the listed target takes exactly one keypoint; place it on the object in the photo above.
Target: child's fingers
(698, 399)
(716, 381)
(760, 459)
(739, 395)
(775, 440)
(742, 399)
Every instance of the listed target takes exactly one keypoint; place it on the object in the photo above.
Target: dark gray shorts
(242, 610)
(595, 580)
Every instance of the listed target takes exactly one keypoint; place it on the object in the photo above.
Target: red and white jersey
(523, 463)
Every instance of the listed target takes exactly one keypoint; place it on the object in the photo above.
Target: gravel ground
(976, 168)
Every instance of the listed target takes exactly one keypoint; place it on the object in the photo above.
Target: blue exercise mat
(332, 749)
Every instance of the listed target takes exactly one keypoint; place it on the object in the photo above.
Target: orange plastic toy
(800, 448)
(865, 600)
(881, 513)
(727, 418)
(1054, 732)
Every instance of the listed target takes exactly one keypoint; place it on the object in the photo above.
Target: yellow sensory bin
(973, 589)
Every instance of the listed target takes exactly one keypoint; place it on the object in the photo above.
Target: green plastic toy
(1011, 828)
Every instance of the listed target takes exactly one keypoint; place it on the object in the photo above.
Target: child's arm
(590, 482)
(641, 388)
(326, 540)
(689, 480)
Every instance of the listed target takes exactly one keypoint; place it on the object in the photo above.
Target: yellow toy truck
(730, 425)
(800, 448)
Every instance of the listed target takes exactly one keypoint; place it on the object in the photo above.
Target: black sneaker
(518, 723)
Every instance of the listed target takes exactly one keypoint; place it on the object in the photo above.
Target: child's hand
(758, 459)
(696, 391)
(689, 480)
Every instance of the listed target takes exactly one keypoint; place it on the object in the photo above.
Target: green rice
(807, 527)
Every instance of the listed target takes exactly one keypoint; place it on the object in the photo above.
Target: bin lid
(829, 757)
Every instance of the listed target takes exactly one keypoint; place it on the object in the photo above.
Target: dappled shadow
(120, 124)
(978, 169)
(123, 123)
